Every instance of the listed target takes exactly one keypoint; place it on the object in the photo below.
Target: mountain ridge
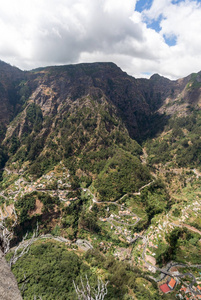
(89, 153)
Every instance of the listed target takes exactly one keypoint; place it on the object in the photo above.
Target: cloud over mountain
(39, 33)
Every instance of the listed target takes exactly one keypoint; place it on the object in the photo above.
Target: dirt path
(188, 227)
(192, 228)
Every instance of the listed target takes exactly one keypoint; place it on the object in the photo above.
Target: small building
(172, 283)
(183, 289)
(199, 288)
(165, 288)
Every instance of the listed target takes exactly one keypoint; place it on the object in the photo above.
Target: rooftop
(164, 288)
(172, 283)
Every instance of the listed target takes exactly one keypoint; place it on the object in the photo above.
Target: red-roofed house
(183, 288)
(172, 283)
(164, 288)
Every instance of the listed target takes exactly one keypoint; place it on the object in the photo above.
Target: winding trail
(128, 212)
(111, 220)
(115, 202)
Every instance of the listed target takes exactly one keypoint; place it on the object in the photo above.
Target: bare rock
(8, 284)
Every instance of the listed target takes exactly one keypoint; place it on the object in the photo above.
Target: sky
(141, 37)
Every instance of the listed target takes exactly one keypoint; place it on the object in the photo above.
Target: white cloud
(181, 20)
(158, 7)
(45, 32)
(50, 31)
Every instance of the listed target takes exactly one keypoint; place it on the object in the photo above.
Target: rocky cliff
(8, 284)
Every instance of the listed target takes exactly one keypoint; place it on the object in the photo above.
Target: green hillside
(106, 169)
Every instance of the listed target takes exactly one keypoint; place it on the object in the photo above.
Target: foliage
(34, 117)
(27, 220)
(155, 199)
(88, 221)
(180, 243)
(54, 278)
(48, 201)
(70, 216)
(122, 174)
(89, 127)
(25, 205)
(181, 141)
(121, 276)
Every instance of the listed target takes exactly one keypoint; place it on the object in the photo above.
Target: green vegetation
(54, 278)
(70, 217)
(195, 82)
(59, 267)
(27, 218)
(181, 142)
(123, 277)
(155, 199)
(79, 129)
(25, 205)
(197, 223)
(97, 133)
(121, 174)
(181, 245)
(88, 221)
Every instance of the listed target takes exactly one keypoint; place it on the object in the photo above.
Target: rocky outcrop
(8, 284)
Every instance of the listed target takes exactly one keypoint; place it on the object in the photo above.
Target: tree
(5, 234)
(87, 292)
(25, 245)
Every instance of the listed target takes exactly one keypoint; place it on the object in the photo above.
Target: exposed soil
(151, 259)
(192, 228)
(38, 209)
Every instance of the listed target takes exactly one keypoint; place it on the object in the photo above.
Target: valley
(119, 218)
(101, 179)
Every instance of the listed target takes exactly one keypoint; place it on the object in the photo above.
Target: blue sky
(143, 4)
(155, 23)
(146, 4)
(141, 37)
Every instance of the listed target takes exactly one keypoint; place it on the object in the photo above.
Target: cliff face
(41, 99)
(72, 104)
(8, 284)
(54, 86)
(137, 101)
(10, 77)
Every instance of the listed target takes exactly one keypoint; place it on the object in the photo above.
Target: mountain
(96, 159)
(10, 77)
